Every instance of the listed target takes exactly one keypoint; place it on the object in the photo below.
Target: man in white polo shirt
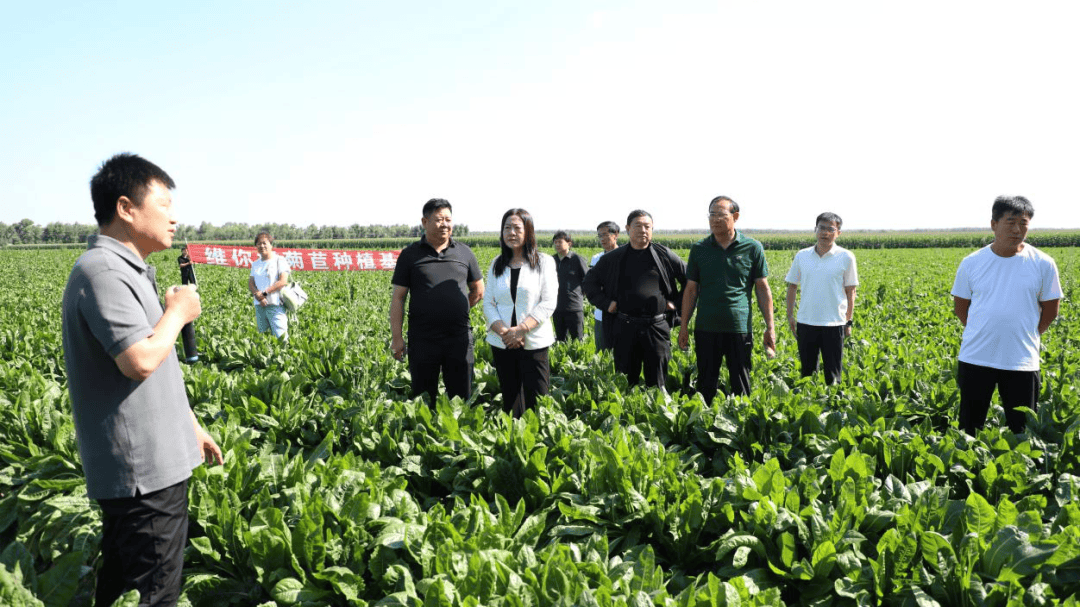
(1006, 294)
(827, 276)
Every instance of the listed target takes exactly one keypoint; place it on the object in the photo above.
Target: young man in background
(827, 276)
(608, 235)
(569, 316)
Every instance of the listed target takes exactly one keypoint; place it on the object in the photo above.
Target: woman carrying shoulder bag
(269, 275)
(520, 294)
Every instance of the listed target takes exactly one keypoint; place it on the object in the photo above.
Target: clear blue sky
(898, 115)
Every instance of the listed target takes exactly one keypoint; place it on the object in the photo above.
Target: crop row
(340, 490)
(777, 241)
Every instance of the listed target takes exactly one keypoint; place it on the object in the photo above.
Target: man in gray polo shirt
(138, 438)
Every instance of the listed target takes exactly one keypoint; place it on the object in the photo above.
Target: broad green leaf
(823, 559)
(979, 516)
(59, 583)
(787, 549)
(291, 591)
(1012, 556)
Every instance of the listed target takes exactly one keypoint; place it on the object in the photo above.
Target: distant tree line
(28, 232)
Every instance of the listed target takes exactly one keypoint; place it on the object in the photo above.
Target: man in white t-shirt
(608, 233)
(1006, 295)
(827, 276)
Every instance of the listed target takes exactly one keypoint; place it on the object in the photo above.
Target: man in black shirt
(444, 280)
(638, 286)
(187, 334)
(187, 270)
(569, 316)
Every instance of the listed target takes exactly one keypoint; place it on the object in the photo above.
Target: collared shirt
(726, 279)
(134, 436)
(438, 284)
(821, 280)
(571, 271)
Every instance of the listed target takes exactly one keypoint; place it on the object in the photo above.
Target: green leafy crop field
(338, 489)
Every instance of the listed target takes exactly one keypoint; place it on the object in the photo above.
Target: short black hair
(732, 205)
(564, 235)
(435, 204)
(635, 214)
(124, 174)
(831, 218)
(610, 226)
(265, 233)
(1012, 204)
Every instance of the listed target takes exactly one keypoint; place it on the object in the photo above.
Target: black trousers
(142, 546)
(523, 375)
(826, 341)
(569, 324)
(977, 383)
(711, 348)
(452, 356)
(642, 346)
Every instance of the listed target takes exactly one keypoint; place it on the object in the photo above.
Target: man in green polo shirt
(723, 270)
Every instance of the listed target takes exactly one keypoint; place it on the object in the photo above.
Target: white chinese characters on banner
(216, 256)
(242, 258)
(295, 259)
(298, 259)
(318, 260)
(342, 260)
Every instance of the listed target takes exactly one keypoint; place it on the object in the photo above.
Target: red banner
(298, 259)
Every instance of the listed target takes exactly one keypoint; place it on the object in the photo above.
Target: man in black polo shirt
(723, 270)
(444, 280)
(638, 285)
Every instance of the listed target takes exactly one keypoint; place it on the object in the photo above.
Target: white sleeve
(1050, 289)
(962, 284)
(851, 274)
(794, 275)
(549, 290)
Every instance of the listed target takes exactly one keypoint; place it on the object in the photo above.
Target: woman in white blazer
(519, 297)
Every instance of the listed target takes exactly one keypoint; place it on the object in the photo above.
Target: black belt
(641, 320)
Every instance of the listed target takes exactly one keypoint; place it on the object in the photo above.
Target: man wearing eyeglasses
(827, 276)
(722, 271)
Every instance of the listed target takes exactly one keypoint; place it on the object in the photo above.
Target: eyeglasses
(719, 215)
(827, 229)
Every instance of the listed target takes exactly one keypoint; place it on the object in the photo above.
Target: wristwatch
(263, 293)
(849, 323)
